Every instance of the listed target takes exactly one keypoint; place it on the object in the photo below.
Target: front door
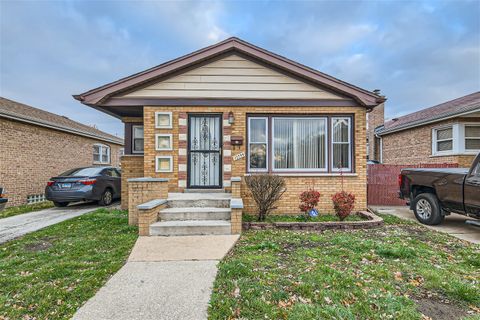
(205, 151)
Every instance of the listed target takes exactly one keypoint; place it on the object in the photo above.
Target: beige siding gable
(233, 77)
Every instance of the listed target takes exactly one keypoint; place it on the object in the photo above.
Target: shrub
(266, 190)
(343, 203)
(308, 201)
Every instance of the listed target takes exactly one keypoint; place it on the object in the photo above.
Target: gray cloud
(418, 53)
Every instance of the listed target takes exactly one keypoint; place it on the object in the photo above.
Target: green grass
(50, 273)
(13, 211)
(301, 218)
(381, 273)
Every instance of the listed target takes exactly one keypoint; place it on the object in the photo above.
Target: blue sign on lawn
(313, 213)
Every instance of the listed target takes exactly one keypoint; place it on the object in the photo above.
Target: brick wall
(132, 167)
(30, 155)
(142, 190)
(414, 146)
(327, 185)
(375, 119)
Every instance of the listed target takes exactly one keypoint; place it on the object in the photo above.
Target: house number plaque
(239, 156)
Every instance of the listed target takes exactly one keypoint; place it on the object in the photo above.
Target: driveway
(454, 224)
(164, 278)
(16, 226)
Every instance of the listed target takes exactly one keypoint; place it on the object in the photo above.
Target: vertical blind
(299, 143)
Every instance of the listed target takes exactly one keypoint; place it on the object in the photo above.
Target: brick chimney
(375, 118)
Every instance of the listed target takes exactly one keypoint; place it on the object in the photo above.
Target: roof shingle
(22, 112)
(447, 109)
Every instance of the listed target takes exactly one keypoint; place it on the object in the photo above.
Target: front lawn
(398, 271)
(13, 211)
(50, 273)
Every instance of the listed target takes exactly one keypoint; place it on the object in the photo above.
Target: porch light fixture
(231, 118)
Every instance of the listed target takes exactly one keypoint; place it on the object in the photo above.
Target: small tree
(343, 203)
(266, 190)
(308, 201)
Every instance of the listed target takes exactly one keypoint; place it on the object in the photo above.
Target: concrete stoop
(194, 214)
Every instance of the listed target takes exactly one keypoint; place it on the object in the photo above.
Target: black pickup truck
(435, 193)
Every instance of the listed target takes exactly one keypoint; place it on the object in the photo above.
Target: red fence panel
(382, 188)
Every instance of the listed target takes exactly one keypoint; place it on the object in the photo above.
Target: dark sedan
(3, 199)
(100, 184)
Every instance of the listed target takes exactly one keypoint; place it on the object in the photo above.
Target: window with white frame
(137, 139)
(163, 120)
(163, 164)
(443, 140)
(458, 138)
(101, 153)
(163, 142)
(341, 144)
(258, 144)
(295, 144)
(299, 144)
(472, 137)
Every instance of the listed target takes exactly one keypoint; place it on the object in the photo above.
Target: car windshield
(81, 172)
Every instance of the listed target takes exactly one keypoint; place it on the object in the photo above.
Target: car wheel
(60, 204)
(427, 209)
(107, 198)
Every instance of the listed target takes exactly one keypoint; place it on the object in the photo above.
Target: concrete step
(191, 227)
(203, 191)
(206, 213)
(198, 200)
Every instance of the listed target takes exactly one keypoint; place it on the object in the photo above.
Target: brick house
(205, 120)
(36, 145)
(445, 133)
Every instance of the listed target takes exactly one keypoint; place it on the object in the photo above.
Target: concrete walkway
(16, 226)
(164, 278)
(454, 224)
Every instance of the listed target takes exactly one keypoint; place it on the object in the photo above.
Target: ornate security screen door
(205, 151)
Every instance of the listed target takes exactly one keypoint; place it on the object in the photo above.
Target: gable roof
(97, 96)
(21, 112)
(460, 106)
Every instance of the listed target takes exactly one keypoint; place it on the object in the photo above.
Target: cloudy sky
(418, 53)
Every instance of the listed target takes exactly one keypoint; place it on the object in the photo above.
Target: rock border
(372, 221)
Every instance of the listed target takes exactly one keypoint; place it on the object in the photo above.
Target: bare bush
(266, 190)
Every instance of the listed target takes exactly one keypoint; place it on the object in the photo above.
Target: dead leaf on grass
(398, 276)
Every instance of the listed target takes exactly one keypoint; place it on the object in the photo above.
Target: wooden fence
(382, 188)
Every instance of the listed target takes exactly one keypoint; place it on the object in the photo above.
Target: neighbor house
(36, 145)
(206, 120)
(445, 133)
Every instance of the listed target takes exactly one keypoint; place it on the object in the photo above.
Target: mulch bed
(371, 221)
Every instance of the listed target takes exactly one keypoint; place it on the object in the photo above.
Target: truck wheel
(427, 209)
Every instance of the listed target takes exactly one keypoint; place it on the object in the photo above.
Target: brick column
(236, 187)
(236, 206)
(148, 214)
(182, 149)
(141, 190)
(227, 152)
(132, 167)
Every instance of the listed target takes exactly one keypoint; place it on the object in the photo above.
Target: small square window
(137, 139)
(164, 164)
(101, 153)
(163, 120)
(163, 141)
(443, 140)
